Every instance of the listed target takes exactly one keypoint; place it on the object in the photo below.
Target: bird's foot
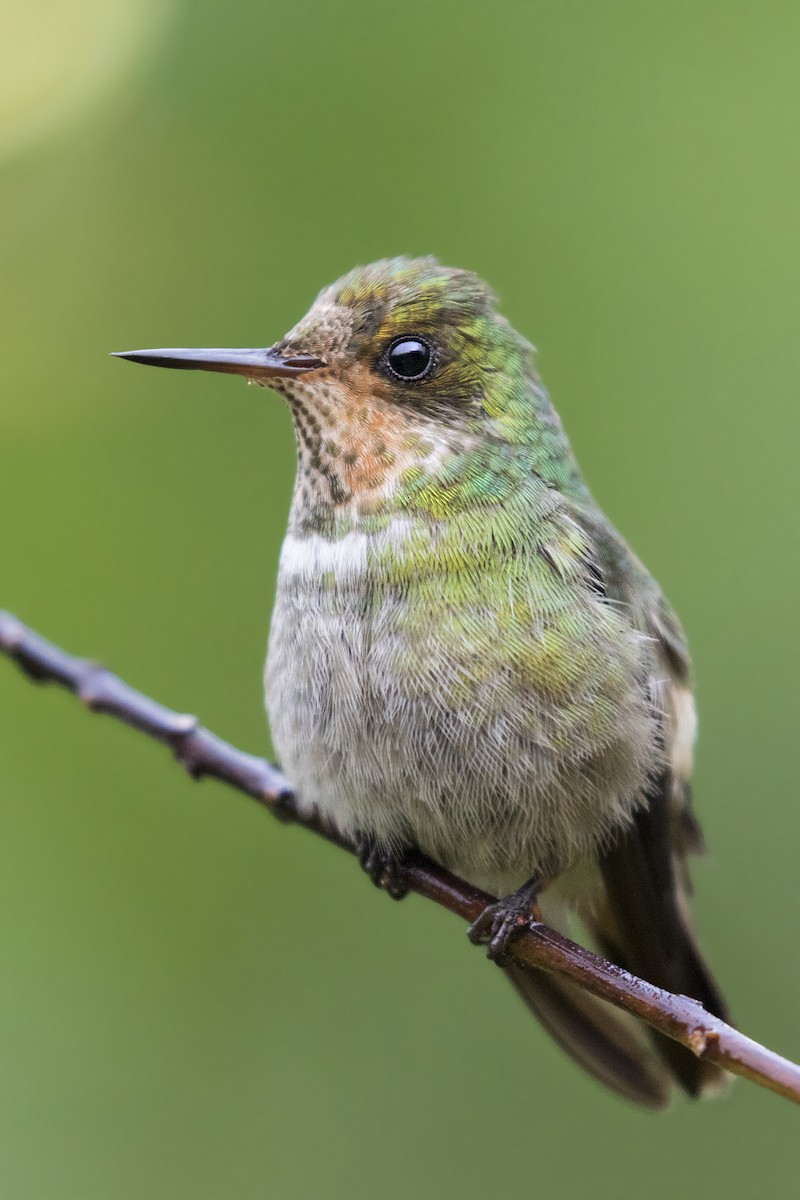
(384, 865)
(500, 923)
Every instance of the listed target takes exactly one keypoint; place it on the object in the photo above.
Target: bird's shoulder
(626, 582)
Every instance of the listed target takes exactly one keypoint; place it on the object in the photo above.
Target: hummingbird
(465, 657)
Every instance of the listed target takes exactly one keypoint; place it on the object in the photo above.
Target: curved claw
(500, 923)
(384, 866)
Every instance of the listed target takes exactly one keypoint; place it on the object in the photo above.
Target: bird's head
(398, 371)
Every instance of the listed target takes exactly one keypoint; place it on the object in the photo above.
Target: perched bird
(466, 657)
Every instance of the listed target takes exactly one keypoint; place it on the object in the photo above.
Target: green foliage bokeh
(196, 1002)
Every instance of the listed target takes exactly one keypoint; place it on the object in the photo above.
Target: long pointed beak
(255, 364)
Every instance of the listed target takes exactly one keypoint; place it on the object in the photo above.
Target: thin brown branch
(203, 753)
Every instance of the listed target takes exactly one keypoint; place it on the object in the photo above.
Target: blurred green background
(196, 1002)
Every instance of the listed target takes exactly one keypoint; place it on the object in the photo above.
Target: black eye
(409, 358)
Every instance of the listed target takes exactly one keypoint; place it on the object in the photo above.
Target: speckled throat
(357, 453)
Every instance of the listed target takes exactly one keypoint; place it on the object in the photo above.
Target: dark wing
(645, 923)
(641, 919)
(645, 927)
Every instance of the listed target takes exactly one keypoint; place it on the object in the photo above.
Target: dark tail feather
(646, 929)
(642, 923)
(608, 1044)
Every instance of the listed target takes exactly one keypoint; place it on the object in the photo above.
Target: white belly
(377, 749)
